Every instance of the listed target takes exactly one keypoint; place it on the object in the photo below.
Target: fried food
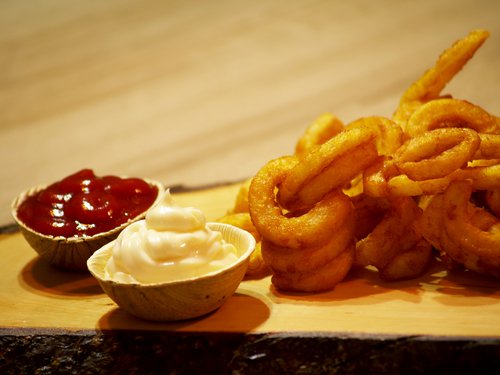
(241, 202)
(241, 220)
(432, 218)
(388, 135)
(368, 212)
(393, 234)
(395, 245)
(484, 178)
(299, 229)
(240, 217)
(301, 260)
(257, 267)
(450, 112)
(436, 153)
(328, 167)
(338, 161)
(470, 235)
(493, 201)
(383, 192)
(408, 264)
(429, 162)
(321, 130)
(429, 86)
(489, 148)
(318, 280)
(299, 246)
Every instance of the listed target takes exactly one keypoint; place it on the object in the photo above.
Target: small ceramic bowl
(178, 300)
(70, 253)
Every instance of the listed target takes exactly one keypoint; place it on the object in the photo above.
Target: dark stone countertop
(147, 352)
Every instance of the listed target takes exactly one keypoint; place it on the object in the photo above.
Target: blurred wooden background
(198, 92)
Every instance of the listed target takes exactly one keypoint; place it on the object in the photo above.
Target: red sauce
(83, 204)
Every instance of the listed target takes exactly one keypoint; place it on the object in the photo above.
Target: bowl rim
(212, 225)
(21, 197)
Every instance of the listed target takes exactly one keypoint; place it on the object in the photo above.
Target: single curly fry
(388, 135)
(476, 248)
(241, 220)
(317, 280)
(283, 259)
(409, 264)
(241, 202)
(321, 130)
(483, 178)
(328, 167)
(433, 81)
(403, 186)
(489, 148)
(257, 267)
(445, 113)
(436, 153)
(310, 228)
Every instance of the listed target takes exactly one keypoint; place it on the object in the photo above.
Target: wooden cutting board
(35, 295)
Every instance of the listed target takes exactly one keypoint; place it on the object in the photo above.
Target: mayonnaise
(172, 243)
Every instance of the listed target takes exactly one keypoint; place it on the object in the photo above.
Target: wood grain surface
(439, 304)
(197, 92)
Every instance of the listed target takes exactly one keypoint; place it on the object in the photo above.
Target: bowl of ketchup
(66, 221)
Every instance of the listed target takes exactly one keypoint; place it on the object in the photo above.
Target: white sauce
(172, 243)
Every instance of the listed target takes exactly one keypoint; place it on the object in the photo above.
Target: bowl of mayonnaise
(173, 264)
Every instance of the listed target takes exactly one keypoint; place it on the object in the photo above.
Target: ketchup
(83, 204)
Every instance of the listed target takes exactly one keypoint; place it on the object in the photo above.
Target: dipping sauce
(83, 204)
(172, 243)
